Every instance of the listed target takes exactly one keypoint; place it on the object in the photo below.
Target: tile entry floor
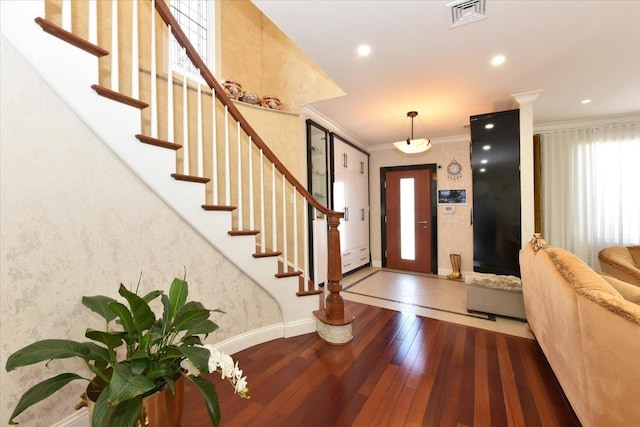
(424, 295)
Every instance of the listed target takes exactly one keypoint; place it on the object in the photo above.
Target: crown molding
(587, 123)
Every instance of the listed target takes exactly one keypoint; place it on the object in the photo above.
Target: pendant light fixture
(411, 145)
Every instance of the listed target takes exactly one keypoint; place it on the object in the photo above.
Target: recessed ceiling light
(486, 147)
(364, 50)
(488, 126)
(585, 101)
(498, 60)
(483, 170)
(484, 161)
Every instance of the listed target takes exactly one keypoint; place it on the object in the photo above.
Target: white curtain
(591, 188)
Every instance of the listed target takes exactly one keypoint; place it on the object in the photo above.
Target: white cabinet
(351, 195)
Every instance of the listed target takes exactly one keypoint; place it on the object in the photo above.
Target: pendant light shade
(412, 145)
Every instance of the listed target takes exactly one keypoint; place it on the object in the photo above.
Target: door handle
(422, 222)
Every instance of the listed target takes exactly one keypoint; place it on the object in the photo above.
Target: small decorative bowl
(250, 98)
(272, 102)
(232, 88)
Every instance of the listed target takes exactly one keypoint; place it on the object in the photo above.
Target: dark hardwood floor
(399, 370)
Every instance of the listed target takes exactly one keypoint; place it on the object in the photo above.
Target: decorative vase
(162, 408)
(271, 102)
(232, 88)
(250, 98)
(456, 260)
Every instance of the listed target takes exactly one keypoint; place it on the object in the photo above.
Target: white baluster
(263, 238)
(135, 68)
(93, 22)
(295, 229)
(199, 133)
(170, 130)
(227, 183)
(305, 244)
(115, 78)
(66, 17)
(214, 159)
(274, 236)
(154, 75)
(285, 243)
(185, 129)
(251, 207)
(240, 211)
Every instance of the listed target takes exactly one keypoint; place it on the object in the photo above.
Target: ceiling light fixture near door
(412, 145)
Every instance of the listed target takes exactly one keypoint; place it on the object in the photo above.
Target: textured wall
(75, 221)
(455, 233)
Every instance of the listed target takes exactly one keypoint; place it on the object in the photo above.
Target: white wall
(75, 221)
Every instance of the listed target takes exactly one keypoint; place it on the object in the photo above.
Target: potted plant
(136, 355)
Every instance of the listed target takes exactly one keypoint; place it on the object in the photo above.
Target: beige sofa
(622, 262)
(588, 326)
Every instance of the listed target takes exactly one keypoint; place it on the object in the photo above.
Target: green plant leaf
(161, 371)
(124, 315)
(41, 391)
(190, 316)
(200, 327)
(143, 317)
(199, 356)
(124, 385)
(139, 365)
(46, 350)
(101, 410)
(210, 395)
(126, 413)
(100, 304)
(167, 315)
(190, 306)
(151, 296)
(98, 353)
(177, 296)
(110, 339)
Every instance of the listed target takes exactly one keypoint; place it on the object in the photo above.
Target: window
(589, 188)
(196, 20)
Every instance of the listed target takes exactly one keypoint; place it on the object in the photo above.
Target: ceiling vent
(463, 12)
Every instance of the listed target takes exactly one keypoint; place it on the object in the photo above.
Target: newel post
(334, 324)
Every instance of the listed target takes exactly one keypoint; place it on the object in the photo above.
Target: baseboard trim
(300, 327)
(251, 338)
(80, 418)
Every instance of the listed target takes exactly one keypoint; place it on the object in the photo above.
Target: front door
(408, 218)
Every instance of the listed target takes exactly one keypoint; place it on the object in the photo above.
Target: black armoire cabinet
(495, 160)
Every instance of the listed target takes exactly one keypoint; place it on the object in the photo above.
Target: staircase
(185, 139)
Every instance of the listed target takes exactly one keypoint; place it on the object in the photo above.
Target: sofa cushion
(579, 275)
(591, 285)
(621, 262)
(635, 254)
(628, 291)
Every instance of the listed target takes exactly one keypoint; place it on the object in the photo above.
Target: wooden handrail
(334, 313)
(183, 40)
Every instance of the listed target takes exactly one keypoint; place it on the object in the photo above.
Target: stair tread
(288, 274)
(158, 142)
(243, 232)
(71, 38)
(218, 208)
(267, 254)
(190, 178)
(119, 97)
(305, 293)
